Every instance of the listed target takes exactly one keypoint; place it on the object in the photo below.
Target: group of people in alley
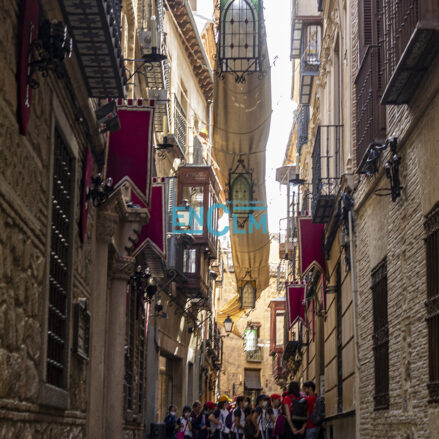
(293, 415)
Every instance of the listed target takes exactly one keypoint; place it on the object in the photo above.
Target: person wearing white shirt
(239, 418)
(185, 425)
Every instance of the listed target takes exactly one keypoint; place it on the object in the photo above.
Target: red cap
(210, 405)
(275, 396)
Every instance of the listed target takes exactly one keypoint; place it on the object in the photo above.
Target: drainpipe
(355, 318)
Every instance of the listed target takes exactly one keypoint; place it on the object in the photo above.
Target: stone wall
(25, 188)
(234, 357)
(396, 230)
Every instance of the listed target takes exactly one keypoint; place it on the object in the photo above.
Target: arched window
(239, 36)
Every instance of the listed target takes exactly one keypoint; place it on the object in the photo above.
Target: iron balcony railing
(287, 237)
(95, 26)
(180, 124)
(411, 42)
(371, 115)
(255, 356)
(326, 171)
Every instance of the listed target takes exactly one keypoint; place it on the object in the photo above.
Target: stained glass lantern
(240, 37)
(240, 190)
(248, 294)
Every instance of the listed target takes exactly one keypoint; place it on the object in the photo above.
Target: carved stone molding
(106, 225)
(332, 28)
(122, 267)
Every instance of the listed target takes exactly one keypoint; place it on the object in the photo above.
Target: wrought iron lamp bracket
(146, 63)
(392, 170)
(100, 190)
(47, 53)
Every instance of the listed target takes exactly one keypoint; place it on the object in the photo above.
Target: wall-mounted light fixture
(107, 118)
(391, 168)
(143, 283)
(99, 190)
(48, 51)
(228, 325)
(150, 42)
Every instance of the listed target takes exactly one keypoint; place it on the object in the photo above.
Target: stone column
(122, 269)
(105, 227)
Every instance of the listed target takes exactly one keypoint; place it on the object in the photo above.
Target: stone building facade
(319, 176)
(397, 337)
(78, 345)
(378, 332)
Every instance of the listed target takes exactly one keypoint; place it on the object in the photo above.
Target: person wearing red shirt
(295, 424)
(312, 431)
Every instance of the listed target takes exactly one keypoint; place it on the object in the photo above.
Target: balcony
(302, 13)
(326, 171)
(287, 238)
(302, 126)
(371, 115)
(411, 43)
(95, 26)
(255, 356)
(310, 60)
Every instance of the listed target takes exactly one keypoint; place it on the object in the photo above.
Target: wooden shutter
(432, 303)
(365, 25)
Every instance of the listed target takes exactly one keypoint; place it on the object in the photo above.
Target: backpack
(318, 414)
(229, 420)
(300, 410)
(170, 426)
(249, 429)
(279, 428)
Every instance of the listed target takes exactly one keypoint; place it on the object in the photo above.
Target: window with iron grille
(135, 356)
(180, 124)
(129, 348)
(339, 342)
(60, 262)
(432, 303)
(380, 335)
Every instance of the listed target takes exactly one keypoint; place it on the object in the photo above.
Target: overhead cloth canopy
(295, 297)
(242, 113)
(311, 245)
(252, 379)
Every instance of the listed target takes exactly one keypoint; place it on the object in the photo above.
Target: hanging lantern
(240, 189)
(250, 340)
(240, 37)
(248, 294)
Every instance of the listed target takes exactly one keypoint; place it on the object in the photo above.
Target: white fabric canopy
(242, 114)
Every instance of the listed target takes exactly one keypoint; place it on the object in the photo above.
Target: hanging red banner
(154, 233)
(311, 245)
(295, 297)
(130, 149)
